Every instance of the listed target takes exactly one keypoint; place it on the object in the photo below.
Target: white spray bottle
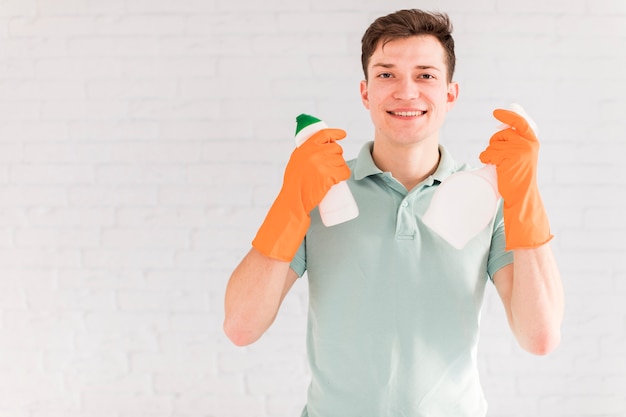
(465, 202)
(338, 205)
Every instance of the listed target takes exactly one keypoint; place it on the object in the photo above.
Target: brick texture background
(142, 141)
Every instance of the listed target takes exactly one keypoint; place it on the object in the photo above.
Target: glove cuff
(526, 224)
(282, 231)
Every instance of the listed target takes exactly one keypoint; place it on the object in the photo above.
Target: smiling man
(394, 309)
(408, 94)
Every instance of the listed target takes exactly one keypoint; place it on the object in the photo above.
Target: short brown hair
(406, 23)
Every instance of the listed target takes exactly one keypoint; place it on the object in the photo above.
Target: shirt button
(405, 203)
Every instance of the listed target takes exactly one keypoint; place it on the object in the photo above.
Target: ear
(364, 94)
(453, 94)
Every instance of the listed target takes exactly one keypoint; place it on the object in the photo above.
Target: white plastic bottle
(465, 202)
(338, 206)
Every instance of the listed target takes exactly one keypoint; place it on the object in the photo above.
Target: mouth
(411, 113)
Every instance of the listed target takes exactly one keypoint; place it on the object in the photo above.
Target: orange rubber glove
(313, 168)
(514, 151)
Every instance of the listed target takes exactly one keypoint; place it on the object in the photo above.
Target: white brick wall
(142, 141)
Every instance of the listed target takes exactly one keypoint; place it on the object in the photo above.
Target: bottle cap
(307, 125)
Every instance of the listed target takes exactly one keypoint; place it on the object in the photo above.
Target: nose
(406, 89)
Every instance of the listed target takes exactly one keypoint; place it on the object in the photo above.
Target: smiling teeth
(407, 113)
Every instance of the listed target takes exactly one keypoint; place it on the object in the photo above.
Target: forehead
(423, 49)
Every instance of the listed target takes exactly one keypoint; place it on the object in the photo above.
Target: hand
(313, 168)
(514, 151)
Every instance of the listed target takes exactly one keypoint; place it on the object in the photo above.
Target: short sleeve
(499, 257)
(298, 263)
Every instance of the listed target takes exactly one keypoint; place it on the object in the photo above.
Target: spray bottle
(465, 202)
(338, 205)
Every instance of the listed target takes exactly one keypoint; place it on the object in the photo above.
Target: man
(394, 309)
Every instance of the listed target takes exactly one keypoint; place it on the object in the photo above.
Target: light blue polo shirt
(394, 310)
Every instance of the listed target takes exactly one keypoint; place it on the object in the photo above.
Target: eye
(426, 76)
(384, 75)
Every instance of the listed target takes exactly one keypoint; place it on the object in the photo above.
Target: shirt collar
(365, 165)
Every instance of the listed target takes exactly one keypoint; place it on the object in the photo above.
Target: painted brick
(142, 142)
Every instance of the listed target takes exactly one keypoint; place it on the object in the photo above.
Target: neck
(409, 164)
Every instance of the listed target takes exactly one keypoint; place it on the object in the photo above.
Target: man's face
(407, 92)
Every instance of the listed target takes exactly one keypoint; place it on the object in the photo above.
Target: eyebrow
(421, 67)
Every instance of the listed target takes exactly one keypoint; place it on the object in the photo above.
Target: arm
(259, 284)
(532, 294)
(531, 288)
(254, 294)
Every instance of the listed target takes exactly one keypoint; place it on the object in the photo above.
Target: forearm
(253, 296)
(536, 300)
